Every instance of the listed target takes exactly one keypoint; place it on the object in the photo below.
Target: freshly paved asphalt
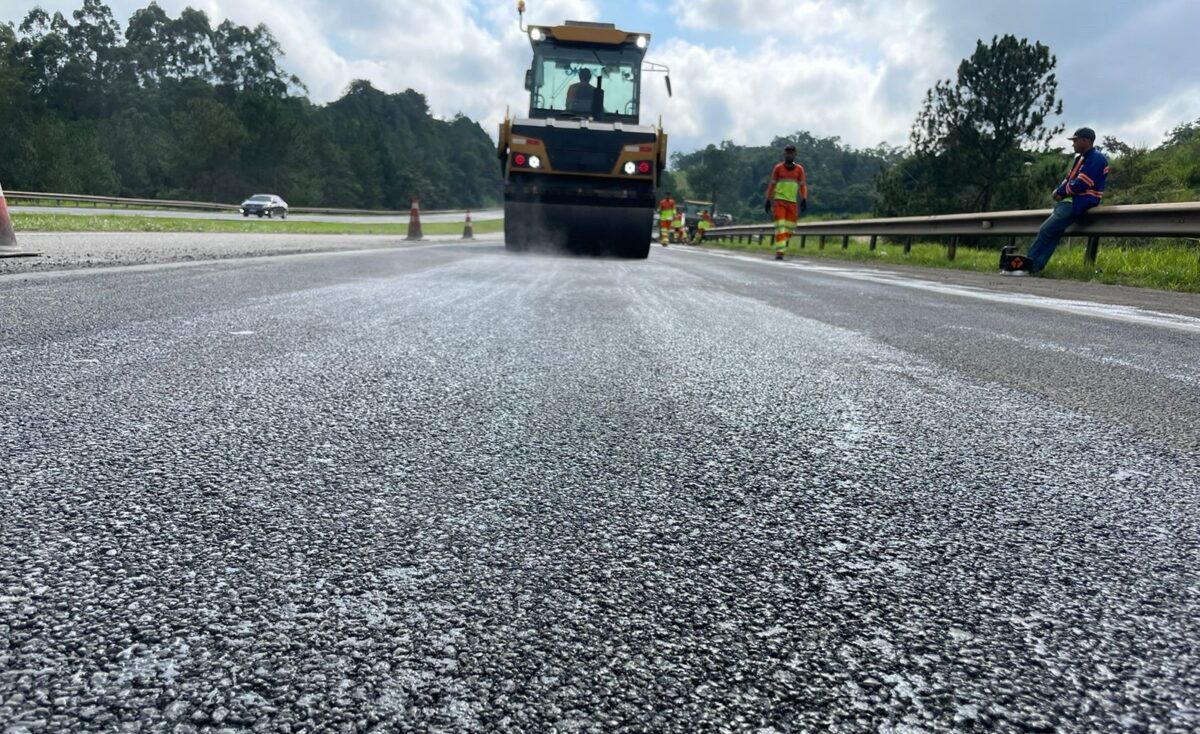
(438, 488)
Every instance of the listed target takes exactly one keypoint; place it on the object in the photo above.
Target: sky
(742, 70)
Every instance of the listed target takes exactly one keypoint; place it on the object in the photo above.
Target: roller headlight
(641, 42)
(630, 168)
(535, 34)
(535, 162)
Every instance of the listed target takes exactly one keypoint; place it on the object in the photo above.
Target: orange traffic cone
(8, 238)
(468, 228)
(414, 221)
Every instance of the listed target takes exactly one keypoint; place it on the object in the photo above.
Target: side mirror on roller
(669, 86)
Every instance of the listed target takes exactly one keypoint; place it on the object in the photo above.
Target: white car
(265, 205)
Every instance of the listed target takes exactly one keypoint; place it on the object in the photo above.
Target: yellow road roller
(580, 170)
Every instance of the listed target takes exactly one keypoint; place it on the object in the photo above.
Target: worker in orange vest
(702, 228)
(787, 198)
(666, 215)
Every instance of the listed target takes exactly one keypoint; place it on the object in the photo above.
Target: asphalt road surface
(456, 216)
(438, 488)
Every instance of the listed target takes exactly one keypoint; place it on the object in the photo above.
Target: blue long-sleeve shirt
(1084, 185)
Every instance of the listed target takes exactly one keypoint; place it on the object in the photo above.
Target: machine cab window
(585, 80)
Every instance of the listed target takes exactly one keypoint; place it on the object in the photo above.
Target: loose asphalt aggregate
(438, 487)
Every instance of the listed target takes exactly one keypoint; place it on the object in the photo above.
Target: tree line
(735, 176)
(983, 141)
(175, 107)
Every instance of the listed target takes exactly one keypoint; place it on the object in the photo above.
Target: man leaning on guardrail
(1082, 189)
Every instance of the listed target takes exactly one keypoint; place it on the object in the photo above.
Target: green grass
(1163, 264)
(30, 222)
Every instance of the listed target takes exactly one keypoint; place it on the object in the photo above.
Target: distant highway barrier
(61, 199)
(1135, 220)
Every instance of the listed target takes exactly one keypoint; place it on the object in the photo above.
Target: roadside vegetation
(181, 108)
(983, 141)
(38, 222)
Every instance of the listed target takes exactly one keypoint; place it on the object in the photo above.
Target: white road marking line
(1112, 312)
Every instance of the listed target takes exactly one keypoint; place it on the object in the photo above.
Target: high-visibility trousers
(664, 226)
(785, 223)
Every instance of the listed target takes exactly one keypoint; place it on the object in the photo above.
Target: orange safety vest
(666, 210)
(788, 185)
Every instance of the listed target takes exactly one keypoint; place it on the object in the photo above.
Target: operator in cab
(582, 97)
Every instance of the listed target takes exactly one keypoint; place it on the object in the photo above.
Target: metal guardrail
(199, 205)
(1135, 220)
(115, 200)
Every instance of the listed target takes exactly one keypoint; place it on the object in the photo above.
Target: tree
(1170, 172)
(175, 108)
(716, 174)
(975, 133)
(840, 177)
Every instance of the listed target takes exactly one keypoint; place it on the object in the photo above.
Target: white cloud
(855, 70)
(461, 61)
(1150, 128)
(745, 70)
(752, 97)
(435, 47)
(902, 28)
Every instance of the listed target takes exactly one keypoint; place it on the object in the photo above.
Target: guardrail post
(1093, 247)
(760, 239)
(803, 239)
(845, 241)
(952, 250)
(821, 242)
(874, 239)
(908, 244)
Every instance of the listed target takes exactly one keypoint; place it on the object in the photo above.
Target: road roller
(580, 170)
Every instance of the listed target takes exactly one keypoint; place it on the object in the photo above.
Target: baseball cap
(1084, 132)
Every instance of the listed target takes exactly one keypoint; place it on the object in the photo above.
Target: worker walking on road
(666, 215)
(787, 198)
(1082, 189)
